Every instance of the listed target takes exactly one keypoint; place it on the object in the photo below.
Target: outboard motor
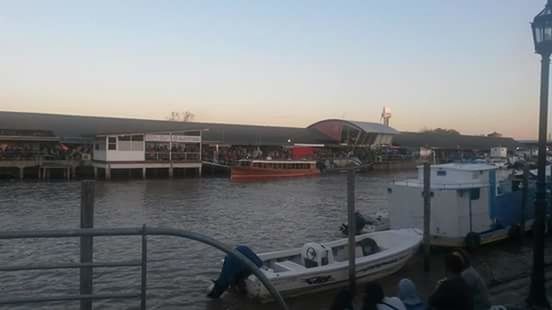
(360, 222)
(314, 255)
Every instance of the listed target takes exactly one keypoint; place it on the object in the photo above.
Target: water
(265, 215)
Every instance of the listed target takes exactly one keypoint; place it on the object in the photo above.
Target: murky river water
(266, 215)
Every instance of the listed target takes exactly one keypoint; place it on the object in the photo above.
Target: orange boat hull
(253, 173)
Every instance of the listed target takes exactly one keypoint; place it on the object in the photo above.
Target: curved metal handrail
(156, 231)
(219, 245)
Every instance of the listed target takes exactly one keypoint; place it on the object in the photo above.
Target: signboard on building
(175, 138)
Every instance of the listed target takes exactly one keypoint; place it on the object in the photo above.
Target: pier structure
(36, 145)
(37, 154)
(171, 152)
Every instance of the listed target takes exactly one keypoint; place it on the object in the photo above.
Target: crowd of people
(463, 288)
(231, 154)
(49, 151)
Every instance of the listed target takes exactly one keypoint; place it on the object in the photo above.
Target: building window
(97, 146)
(112, 143)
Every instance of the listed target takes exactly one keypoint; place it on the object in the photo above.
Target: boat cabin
(465, 198)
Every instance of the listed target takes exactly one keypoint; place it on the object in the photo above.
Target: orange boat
(270, 169)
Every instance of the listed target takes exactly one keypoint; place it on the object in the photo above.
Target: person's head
(343, 300)
(454, 264)
(373, 295)
(464, 255)
(407, 293)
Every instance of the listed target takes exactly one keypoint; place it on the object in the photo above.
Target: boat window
(441, 173)
(475, 193)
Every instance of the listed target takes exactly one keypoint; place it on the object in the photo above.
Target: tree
(186, 116)
(494, 134)
(442, 131)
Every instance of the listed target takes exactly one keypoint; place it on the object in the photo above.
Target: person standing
(475, 282)
(452, 293)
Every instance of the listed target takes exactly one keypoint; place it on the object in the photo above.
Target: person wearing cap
(409, 295)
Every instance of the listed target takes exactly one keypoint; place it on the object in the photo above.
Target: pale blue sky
(465, 64)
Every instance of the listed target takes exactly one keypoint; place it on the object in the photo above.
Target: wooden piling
(427, 216)
(86, 242)
(352, 229)
(524, 200)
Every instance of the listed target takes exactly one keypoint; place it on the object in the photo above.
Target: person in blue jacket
(233, 271)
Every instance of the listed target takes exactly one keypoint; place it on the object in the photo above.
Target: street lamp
(542, 36)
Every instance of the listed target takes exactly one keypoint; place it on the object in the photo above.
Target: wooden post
(352, 229)
(95, 173)
(86, 242)
(427, 216)
(21, 173)
(108, 172)
(524, 198)
(144, 173)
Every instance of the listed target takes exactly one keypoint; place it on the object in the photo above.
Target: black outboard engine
(360, 222)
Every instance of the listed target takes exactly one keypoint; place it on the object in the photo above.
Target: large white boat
(470, 205)
(322, 266)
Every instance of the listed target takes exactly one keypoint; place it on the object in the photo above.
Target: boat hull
(323, 278)
(253, 173)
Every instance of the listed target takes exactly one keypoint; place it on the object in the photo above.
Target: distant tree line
(442, 131)
(454, 132)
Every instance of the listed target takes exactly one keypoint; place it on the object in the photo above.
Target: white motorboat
(322, 266)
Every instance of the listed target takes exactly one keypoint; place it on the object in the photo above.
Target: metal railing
(97, 232)
(174, 156)
(417, 183)
(86, 265)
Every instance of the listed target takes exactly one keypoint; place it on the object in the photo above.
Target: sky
(468, 65)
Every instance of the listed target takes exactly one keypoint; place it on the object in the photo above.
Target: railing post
(427, 216)
(144, 269)
(524, 199)
(86, 242)
(352, 229)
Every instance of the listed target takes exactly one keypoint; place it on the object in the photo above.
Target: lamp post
(542, 36)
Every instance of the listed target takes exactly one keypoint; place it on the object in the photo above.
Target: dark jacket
(452, 294)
